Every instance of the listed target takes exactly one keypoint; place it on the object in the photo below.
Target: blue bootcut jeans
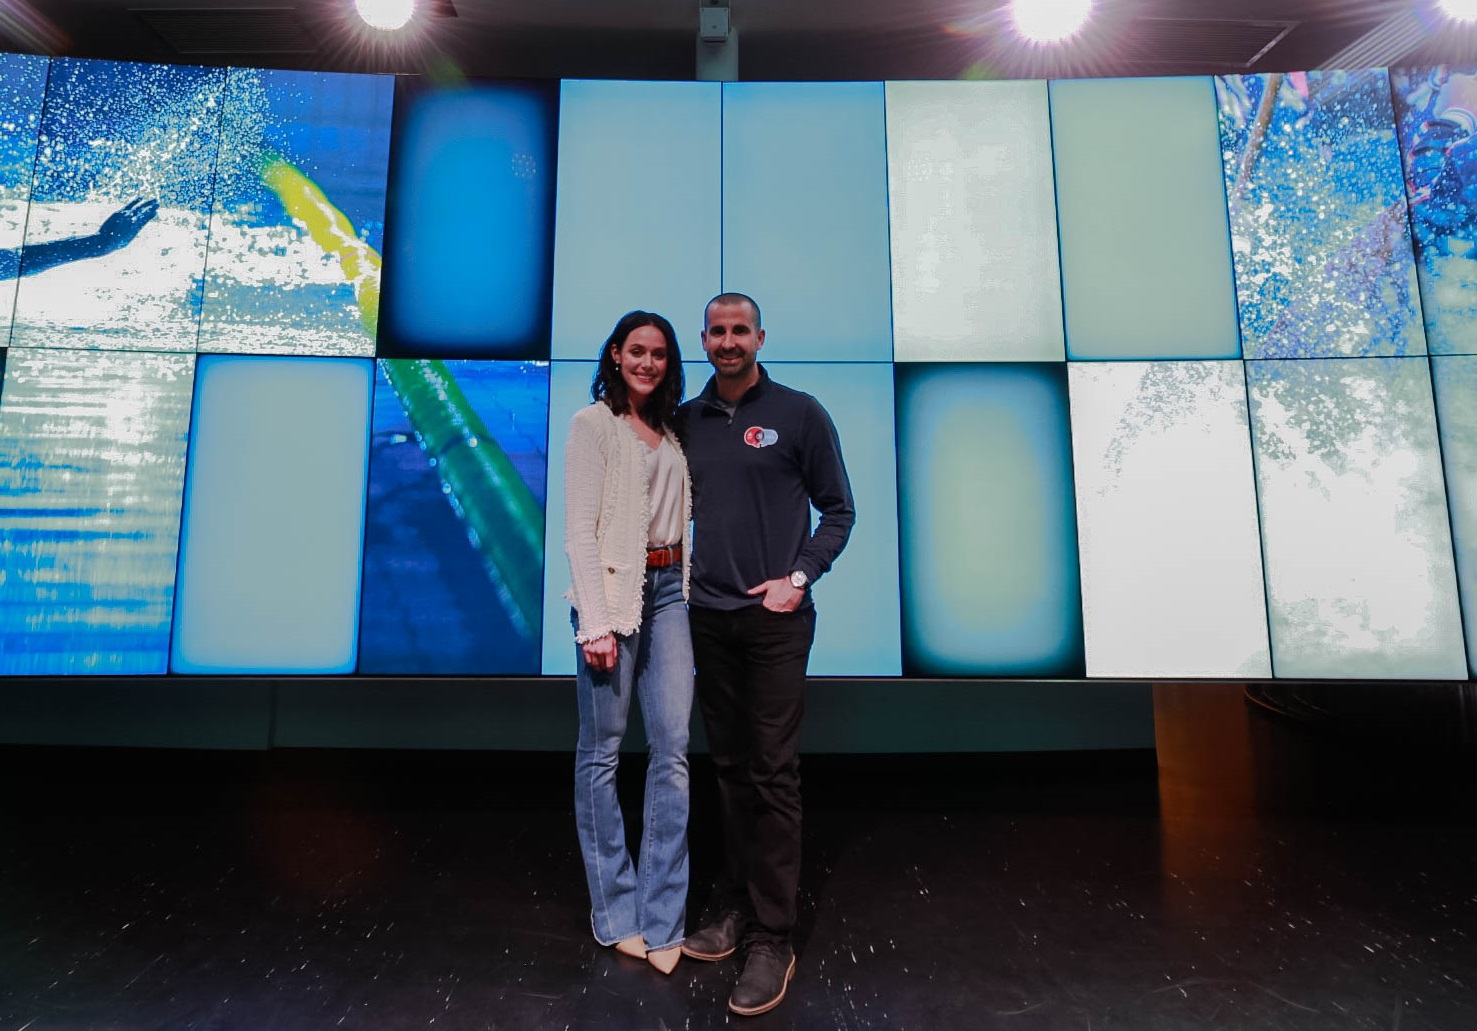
(649, 897)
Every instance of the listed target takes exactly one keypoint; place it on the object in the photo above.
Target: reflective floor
(1261, 874)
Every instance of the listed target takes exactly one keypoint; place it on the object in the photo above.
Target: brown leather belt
(658, 558)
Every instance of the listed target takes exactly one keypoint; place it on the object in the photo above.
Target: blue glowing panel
(1146, 251)
(640, 199)
(1355, 534)
(1456, 409)
(1167, 521)
(22, 89)
(469, 247)
(569, 391)
(274, 516)
(989, 536)
(805, 216)
(857, 624)
(92, 466)
(975, 273)
(297, 223)
(115, 241)
(454, 548)
(1436, 112)
(1318, 216)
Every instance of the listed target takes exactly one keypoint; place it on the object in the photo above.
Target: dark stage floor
(1262, 875)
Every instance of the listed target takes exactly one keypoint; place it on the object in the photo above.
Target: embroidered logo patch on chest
(758, 436)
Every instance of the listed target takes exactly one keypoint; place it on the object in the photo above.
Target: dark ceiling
(777, 39)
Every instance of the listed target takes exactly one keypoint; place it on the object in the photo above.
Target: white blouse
(664, 469)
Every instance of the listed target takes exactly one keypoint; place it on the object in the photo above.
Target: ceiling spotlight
(1052, 21)
(1459, 10)
(387, 15)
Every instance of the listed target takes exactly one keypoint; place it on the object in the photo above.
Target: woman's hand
(600, 653)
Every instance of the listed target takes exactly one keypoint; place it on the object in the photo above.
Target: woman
(627, 506)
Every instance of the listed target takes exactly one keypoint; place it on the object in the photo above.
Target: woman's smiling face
(642, 358)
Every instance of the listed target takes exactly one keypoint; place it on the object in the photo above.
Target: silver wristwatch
(798, 580)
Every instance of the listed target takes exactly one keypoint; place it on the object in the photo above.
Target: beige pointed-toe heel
(635, 946)
(665, 960)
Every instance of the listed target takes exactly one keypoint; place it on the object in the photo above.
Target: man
(761, 455)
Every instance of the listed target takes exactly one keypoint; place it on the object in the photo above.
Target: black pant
(751, 688)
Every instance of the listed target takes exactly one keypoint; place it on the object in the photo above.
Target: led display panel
(975, 273)
(639, 222)
(857, 608)
(273, 516)
(805, 215)
(988, 528)
(569, 391)
(116, 235)
(1355, 536)
(1455, 379)
(1146, 253)
(1436, 113)
(470, 239)
(453, 554)
(297, 221)
(857, 601)
(22, 89)
(92, 467)
(1318, 216)
(1167, 521)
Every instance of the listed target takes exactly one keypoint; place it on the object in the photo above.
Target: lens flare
(387, 15)
(1049, 21)
(1459, 10)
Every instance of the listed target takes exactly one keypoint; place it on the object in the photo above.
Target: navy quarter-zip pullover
(757, 469)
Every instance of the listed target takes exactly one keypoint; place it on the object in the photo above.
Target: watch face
(798, 579)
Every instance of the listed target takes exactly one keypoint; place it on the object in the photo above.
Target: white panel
(1357, 545)
(1167, 521)
(975, 274)
(274, 516)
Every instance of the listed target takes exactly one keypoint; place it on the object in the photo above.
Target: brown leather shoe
(717, 940)
(768, 968)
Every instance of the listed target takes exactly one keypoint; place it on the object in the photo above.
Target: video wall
(1134, 378)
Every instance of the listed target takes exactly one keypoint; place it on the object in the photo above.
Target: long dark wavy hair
(661, 409)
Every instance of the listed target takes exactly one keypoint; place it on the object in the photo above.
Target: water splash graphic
(1318, 224)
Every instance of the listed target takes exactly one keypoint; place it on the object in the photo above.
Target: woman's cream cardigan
(607, 515)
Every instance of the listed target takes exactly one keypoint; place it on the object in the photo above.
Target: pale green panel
(1455, 380)
(569, 391)
(973, 217)
(1145, 242)
(639, 209)
(858, 626)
